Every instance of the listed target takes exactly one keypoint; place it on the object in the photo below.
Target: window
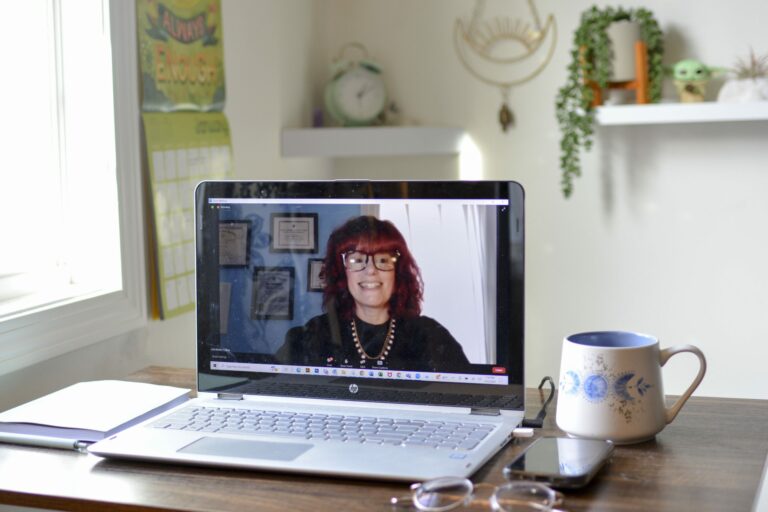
(71, 268)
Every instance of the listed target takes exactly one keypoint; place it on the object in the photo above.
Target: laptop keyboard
(447, 435)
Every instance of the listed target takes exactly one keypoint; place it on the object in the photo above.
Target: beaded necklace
(389, 340)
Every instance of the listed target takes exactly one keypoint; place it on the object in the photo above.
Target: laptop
(365, 329)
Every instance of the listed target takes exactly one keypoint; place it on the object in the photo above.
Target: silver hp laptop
(365, 329)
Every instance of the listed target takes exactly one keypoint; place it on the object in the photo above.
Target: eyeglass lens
(523, 497)
(448, 493)
(442, 494)
(357, 261)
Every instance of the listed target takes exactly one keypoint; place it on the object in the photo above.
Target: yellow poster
(181, 55)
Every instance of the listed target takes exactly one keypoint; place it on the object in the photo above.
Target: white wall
(666, 230)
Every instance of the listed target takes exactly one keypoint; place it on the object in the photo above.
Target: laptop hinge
(229, 396)
(485, 411)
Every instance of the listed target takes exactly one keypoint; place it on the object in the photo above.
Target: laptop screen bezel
(510, 268)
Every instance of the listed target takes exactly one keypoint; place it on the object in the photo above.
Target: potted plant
(591, 60)
(750, 82)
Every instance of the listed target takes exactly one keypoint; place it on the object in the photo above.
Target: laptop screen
(352, 289)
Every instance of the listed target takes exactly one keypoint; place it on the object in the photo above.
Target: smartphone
(561, 462)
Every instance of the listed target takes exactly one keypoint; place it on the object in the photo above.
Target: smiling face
(369, 292)
(371, 289)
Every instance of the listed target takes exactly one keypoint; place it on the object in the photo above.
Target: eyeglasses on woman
(355, 261)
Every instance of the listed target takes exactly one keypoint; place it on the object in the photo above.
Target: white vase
(623, 36)
(744, 90)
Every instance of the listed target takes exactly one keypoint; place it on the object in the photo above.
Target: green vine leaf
(591, 59)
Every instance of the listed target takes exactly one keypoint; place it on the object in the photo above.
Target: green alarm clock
(355, 95)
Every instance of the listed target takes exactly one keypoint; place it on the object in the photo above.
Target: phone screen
(560, 459)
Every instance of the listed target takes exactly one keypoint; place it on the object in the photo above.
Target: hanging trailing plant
(591, 60)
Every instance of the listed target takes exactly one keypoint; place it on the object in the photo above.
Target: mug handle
(664, 356)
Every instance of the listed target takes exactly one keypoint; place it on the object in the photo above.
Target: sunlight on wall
(470, 160)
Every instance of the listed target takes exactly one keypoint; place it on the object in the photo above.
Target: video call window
(407, 280)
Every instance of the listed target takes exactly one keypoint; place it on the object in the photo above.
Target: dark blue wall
(266, 336)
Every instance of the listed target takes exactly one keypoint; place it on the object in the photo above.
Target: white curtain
(454, 245)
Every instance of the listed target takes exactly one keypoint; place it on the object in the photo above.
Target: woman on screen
(372, 298)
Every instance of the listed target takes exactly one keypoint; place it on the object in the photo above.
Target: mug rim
(642, 340)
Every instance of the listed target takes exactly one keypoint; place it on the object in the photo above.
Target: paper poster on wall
(181, 55)
(182, 149)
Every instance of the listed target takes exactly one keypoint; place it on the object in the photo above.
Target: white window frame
(41, 335)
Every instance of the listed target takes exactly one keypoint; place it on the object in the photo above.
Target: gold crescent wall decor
(505, 52)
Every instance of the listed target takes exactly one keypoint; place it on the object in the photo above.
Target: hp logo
(353, 388)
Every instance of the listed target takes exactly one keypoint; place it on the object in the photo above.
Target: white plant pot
(623, 36)
(744, 90)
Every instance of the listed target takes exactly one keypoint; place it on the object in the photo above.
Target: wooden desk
(710, 458)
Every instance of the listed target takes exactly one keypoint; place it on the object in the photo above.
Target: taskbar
(363, 373)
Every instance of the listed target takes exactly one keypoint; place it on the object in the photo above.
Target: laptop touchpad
(245, 449)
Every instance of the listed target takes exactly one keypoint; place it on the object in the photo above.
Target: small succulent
(754, 67)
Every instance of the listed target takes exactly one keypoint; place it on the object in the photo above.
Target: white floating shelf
(371, 141)
(666, 113)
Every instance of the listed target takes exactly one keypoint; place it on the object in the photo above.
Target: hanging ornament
(505, 113)
(505, 52)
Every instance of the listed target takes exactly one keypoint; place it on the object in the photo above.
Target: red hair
(369, 234)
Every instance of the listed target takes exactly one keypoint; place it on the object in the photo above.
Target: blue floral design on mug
(620, 387)
(570, 383)
(642, 386)
(595, 387)
(624, 392)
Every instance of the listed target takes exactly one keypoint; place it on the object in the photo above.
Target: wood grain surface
(709, 459)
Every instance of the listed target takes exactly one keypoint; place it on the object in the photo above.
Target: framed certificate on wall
(315, 274)
(234, 242)
(272, 293)
(293, 232)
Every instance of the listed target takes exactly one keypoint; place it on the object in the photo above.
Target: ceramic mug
(611, 387)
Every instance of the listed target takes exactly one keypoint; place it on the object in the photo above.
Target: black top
(418, 344)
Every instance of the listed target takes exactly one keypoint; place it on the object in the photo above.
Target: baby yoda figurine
(691, 77)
